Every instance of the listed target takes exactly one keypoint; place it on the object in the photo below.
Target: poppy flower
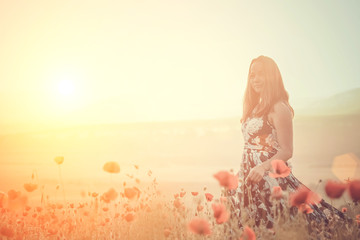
(194, 193)
(30, 187)
(220, 213)
(226, 179)
(248, 234)
(111, 167)
(276, 193)
(305, 208)
(209, 197)
(334, 189)
(182, 194)
(199, 226)
(132, 193)
(16, 200)
(354, 190)
(344, 210)
(303, 195)
(129, 217)
(7, 232)
(59, 160)
(110, 195)
(280, 169)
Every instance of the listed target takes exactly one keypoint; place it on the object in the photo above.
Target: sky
(91, 62)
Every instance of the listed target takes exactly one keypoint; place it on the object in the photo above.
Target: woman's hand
(255, 174)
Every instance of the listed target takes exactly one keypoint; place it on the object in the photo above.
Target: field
(168, 168)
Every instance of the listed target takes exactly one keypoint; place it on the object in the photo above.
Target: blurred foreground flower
(132, 193)
(16, 200)
(59, 160)
(30, 187)
(110, 195)
(226, 179)
(220, 213)
(199, 226)
(334, 189)
(248, 234)
(303, 195)
(209, 197)
(111, 167)
(305, 208)
(280, 169)
(354, 190)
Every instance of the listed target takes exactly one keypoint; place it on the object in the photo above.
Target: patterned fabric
(260, 145)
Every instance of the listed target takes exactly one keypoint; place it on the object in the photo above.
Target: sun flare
(65, 87)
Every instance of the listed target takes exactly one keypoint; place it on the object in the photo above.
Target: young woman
(268, 134)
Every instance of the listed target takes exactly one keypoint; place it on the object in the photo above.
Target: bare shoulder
(280, 111)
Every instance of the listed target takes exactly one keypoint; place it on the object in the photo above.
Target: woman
(268, 134)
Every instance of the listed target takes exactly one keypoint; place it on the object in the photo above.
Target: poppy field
(139, 210)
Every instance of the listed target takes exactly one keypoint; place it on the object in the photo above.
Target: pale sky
(86, 62)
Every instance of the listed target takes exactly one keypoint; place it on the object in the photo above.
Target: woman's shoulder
(280, 109)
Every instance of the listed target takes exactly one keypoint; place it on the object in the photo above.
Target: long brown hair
(273, 90)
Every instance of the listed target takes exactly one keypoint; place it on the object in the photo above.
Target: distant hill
(345, 103)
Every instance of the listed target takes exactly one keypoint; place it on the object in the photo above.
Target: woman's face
(257, 77)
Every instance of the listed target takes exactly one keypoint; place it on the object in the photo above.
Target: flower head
(111, 167)
(220, 213)
(354, 190)
(280, 169)
(59, 160)
(226, 179)
(199, 226)
(334, 189)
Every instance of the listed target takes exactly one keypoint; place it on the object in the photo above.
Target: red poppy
(129, 217)
(354, 190)
(194, 193)
(59, 160)
(280, 169)
(303, 195)
(276, 193)
(110, 195)
(7, 232)
(30, 187)
(305, 208)
(248, 234)
(111, 167)
(209, 197)
(226, 179)
(220, 213)
(334, 189)
(199, 226)
(132, 193)
(344, 210)
(182, 194)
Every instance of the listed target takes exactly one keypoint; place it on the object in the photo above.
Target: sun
(66, 87)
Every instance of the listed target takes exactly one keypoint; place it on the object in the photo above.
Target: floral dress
(260, 145)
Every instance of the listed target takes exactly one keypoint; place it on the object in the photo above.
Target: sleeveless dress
(261, 144)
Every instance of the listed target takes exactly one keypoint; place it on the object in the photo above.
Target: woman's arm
(281, 119)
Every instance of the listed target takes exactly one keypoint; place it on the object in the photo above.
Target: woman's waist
(259, 148)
